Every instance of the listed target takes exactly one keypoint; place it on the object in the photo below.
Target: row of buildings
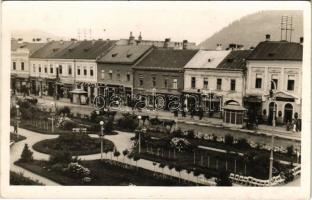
(224, 83)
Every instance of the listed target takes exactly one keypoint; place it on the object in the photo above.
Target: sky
(194, 21)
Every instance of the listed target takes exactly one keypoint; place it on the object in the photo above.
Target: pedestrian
(15, 127)
(287, 125)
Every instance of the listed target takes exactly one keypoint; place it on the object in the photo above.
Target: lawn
(15, 138)
(104, 174)
(209, 162)
(20, 179)
(75, 143)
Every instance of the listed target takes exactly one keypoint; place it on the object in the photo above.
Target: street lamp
(101, 138)
(52, 115)
(17, 119)
(139, 131)
(271, 161)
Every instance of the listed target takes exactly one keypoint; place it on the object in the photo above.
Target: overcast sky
(194, 21)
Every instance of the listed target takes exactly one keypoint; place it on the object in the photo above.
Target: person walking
(15, 127)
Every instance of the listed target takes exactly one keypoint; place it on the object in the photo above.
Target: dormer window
(114, 54)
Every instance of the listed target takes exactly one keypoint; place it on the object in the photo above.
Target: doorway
(288, 113)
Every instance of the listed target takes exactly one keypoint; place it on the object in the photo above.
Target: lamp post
(52, 116)
(17, 119)
(101, 138)
(271, 161)
(139, 117)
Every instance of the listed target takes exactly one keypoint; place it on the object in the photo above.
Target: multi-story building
(161, 73)
(68, 65)
(20, 52)
(274, 77)
(115, 69)
(167, 43)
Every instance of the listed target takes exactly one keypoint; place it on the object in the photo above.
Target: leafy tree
(116, 154)
(109, 126)
(125, 153)
(223, 178)
(136, 158)
(290, 150)
(128, 122)
(27, 154)
(228, 139)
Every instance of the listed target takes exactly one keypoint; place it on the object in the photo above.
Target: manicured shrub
(76, 170)
(69, 125)
(128, 122)
(228, 139)
(60, 157)
(109, 126)
(27, 154)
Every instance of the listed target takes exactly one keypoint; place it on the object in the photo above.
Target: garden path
(16, 151)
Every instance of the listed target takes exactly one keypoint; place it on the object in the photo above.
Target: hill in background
(251, 29)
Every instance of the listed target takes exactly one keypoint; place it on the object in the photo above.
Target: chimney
(301, 40)
(140, 37)
(166, 43)
(267, 37)
(184, 44)
(131, 39)
(219, 47)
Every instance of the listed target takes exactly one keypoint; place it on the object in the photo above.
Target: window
(275, 80)
(128, 76)
(39, 69)
(233, 84)
(91, 72)
(141, 80)
(22, 66)
(219, 84)
(51, 69)
(205, 83)
(34, 68)
(154, 81)
(14, 65)
(166, 83)
(69, 69)
(45, 69)
(85, 71)
(193, 82)
(60, 69)
(78, 70)
(110, 74)
(102, 74)
(291, 83)
(258, 81)
(175, 83)
(118, 76)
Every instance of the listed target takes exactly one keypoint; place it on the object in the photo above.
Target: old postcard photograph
(194, 100)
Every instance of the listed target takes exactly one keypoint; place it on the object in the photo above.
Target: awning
(78, 91)
(234, 107)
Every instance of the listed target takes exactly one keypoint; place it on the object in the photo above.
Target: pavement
(215, 122)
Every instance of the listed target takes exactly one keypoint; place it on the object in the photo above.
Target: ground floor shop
(20, 85)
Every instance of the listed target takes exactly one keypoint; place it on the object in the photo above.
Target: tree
(162, 166)
(125, 153)
(109, 126)
(136, 158)
(116, 154)
(27, 154)
(228, 139)
(223, 178)
(290, 150)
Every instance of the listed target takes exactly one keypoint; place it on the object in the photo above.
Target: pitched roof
(235, 60)
(207, 59)
(167, 58)
(32, 47)
(277, 50)
(85, 50)
(125, 54)
(50, 49)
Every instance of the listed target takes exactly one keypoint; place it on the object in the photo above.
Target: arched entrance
(271, 108)
(288, 113)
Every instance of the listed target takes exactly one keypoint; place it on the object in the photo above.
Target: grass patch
(15, 138)
(20, 179)
(75, 143)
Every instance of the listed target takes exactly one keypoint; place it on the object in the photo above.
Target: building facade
(274, 77)
(114, 75)
(161, 74)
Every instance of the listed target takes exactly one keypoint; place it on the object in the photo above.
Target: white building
(275, 66)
